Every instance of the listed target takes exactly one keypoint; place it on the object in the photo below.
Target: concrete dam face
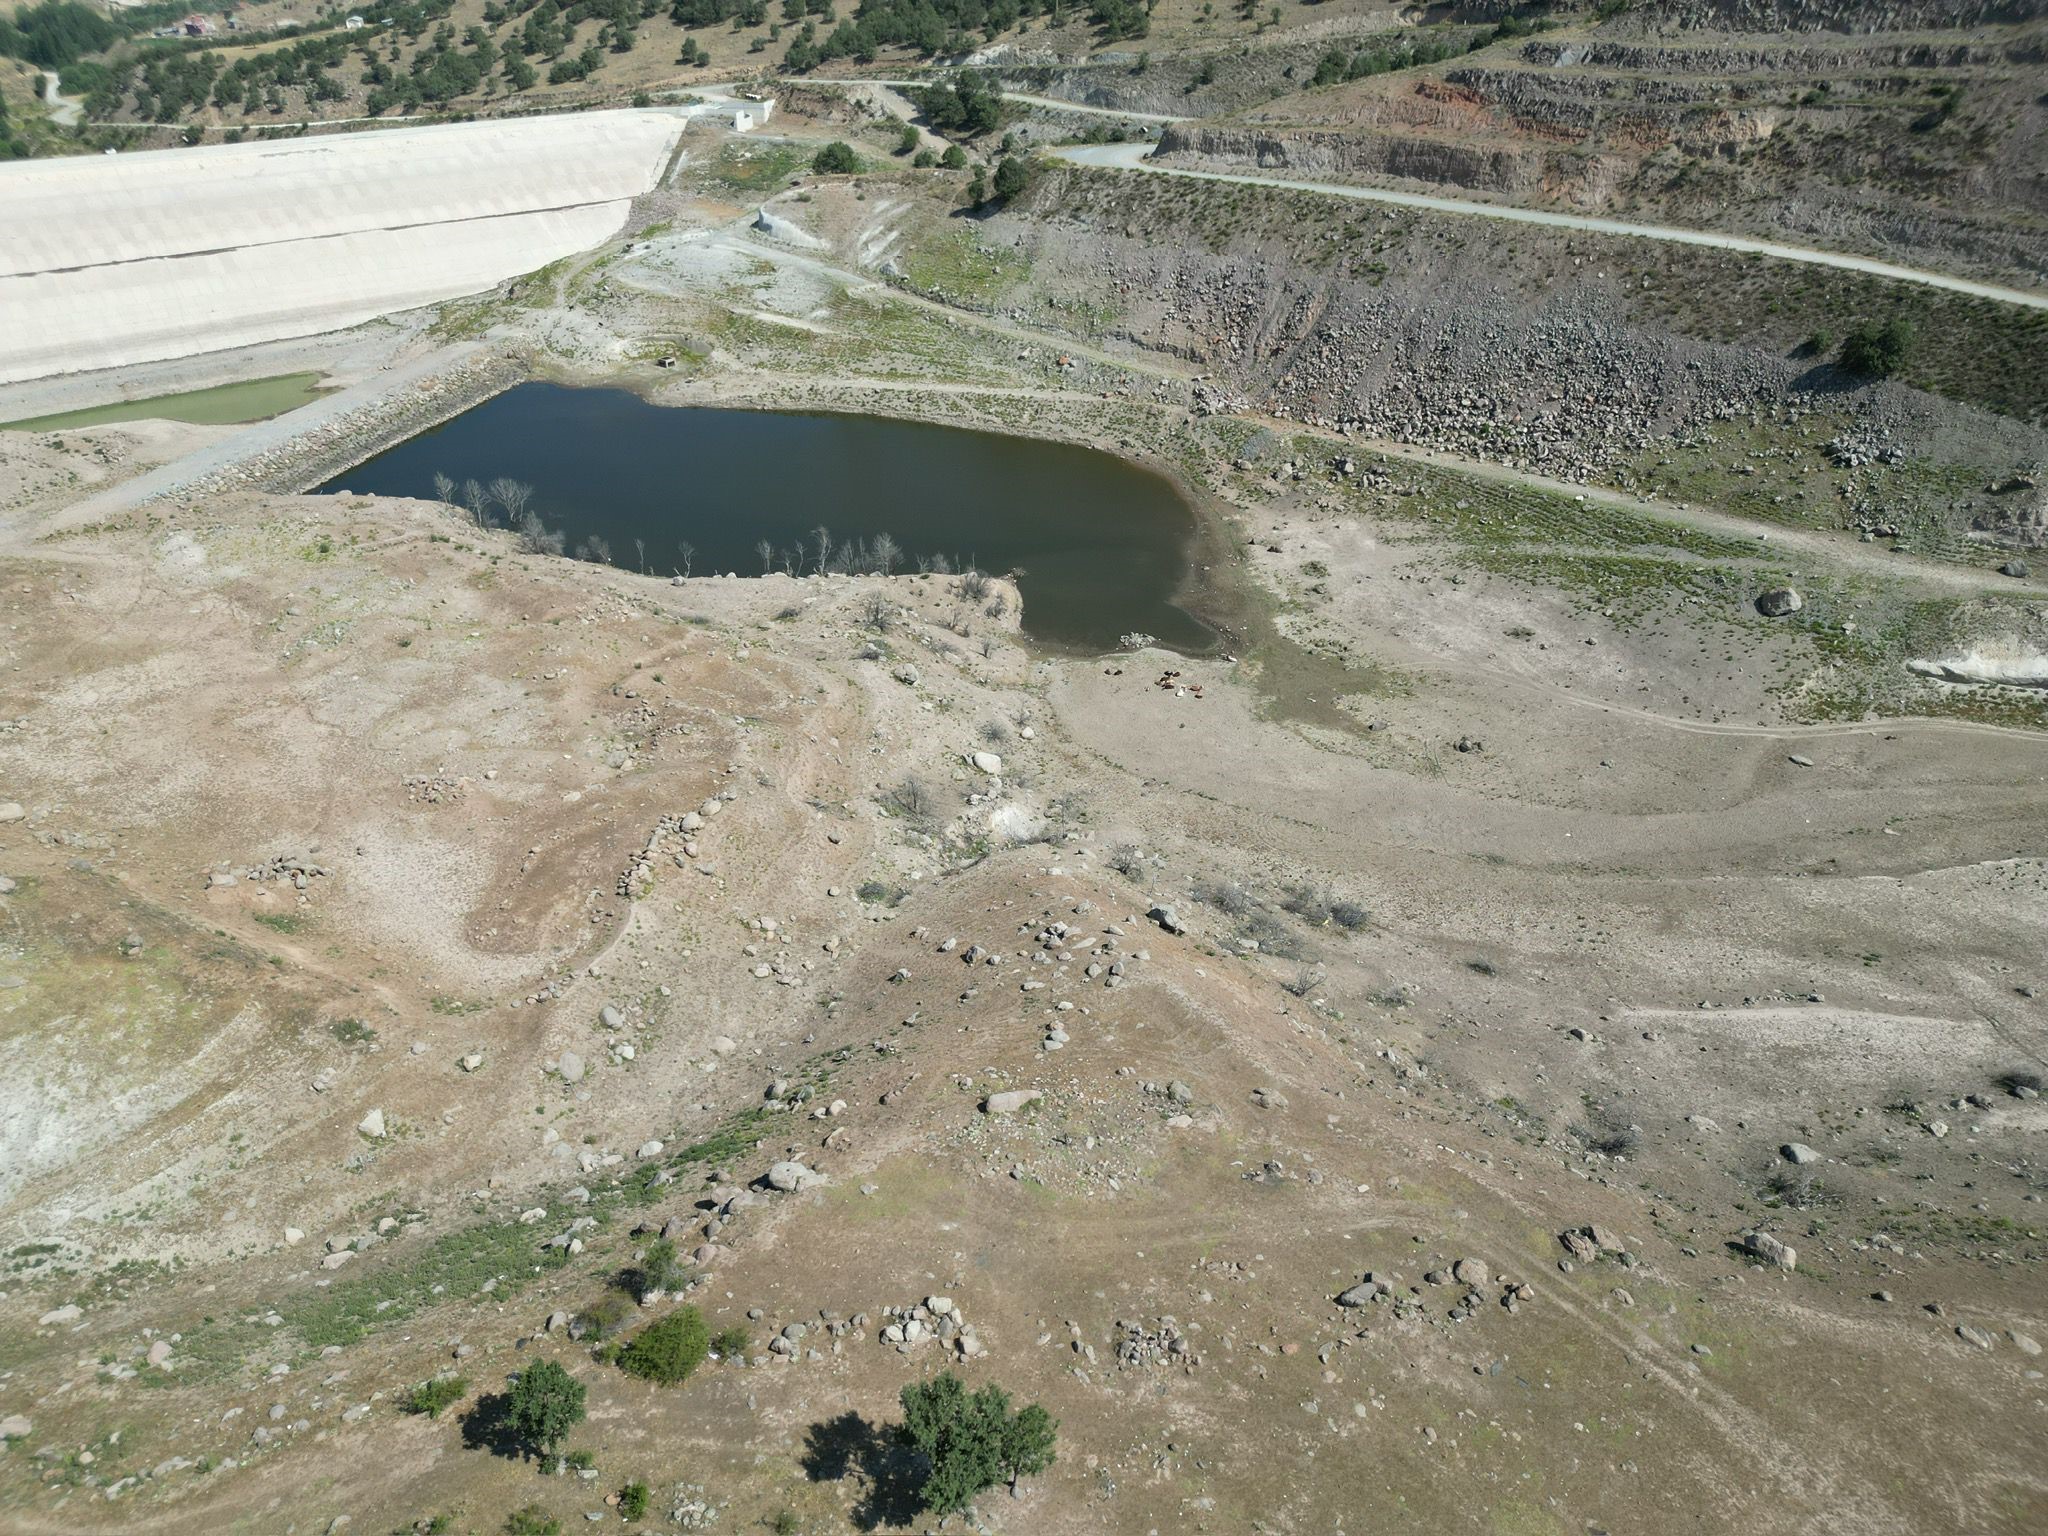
(116, 259)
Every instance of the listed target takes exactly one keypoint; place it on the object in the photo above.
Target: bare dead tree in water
(513, 498)
(475, 502)
(640, 548)
(537, 539)
(823, 536)
(688, 552)
(886, 553)
(444, 489)
(767, 553)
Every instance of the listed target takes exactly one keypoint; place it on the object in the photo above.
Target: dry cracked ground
(1513, 1040)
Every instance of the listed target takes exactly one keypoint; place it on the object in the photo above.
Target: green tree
(1029, 1443)
(1878, 351)
(835, 159)
(954, 159)
(906, 143)
(547, 1402)
(971, 1440)
(668, 1351)
(1013, 175)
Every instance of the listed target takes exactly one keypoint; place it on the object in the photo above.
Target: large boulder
(1013, 1101)
(790, 1177)
(1778, 602)
(1771, 1250)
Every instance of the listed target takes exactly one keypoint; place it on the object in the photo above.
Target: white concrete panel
(107, 260)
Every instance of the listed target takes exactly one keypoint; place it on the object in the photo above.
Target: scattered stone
(1362, 1294)
(571, 1067)
(16, 1426)
(1167, 918)
(1013, 1101)
(372, 1125)
(1798, 1152)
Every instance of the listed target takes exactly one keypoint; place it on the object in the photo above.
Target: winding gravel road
(1133, 157)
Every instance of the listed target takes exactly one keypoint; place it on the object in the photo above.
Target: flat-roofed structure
(114, 259)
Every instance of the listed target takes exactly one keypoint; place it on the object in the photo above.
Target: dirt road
(1135, 157)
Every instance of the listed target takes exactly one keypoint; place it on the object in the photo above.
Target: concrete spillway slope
(132, 258)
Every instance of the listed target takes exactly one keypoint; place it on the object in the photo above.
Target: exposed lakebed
(1102, 546)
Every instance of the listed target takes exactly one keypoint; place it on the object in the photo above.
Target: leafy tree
(971, 1440)
(966, 106)
(1878, 351)
(1013, 175)
(835, 159)
(954, 159)
(1028, 1443)
(669, 1350)
(547, 1402)
(907, 141)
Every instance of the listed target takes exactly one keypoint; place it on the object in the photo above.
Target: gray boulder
(1779, 602)
(1771, 1250)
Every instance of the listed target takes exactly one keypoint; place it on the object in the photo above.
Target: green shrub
(430, 1397)
(835, 159)
(1878, 351)
(954, 158)
(607, 1315)
(667, 1351)
(731, 1343)
(532, 1521)
(633, 1500)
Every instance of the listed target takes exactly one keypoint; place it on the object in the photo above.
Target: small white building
(751, 112)
(353, 24)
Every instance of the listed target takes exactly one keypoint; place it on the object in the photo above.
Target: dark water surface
(1103, 545)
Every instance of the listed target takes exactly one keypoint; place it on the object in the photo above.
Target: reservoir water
(1102, 546)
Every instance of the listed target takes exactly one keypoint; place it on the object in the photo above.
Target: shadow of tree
(891, 1473)
(488, 1426)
